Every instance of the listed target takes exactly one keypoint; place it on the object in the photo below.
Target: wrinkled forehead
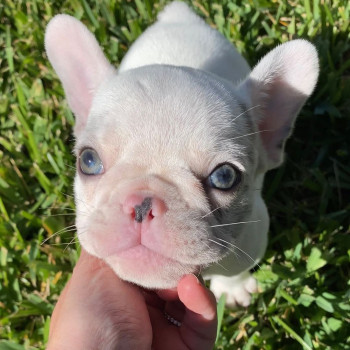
(167, 107)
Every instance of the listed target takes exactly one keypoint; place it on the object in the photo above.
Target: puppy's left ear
(277, 88)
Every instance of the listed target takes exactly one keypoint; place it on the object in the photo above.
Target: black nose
(141, 211)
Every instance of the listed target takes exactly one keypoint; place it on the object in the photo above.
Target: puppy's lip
(146, 256)
(139, 250)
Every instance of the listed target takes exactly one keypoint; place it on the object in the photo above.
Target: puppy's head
(167, 156)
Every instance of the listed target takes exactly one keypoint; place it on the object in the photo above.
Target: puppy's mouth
(141, 252)
(141, 255)
(145, 267)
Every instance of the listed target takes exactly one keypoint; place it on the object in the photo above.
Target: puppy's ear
(78, 61)
(277, 88)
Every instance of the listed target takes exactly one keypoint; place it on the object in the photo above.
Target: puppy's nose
(144, 208)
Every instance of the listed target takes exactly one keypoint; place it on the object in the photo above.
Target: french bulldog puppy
(172, 147)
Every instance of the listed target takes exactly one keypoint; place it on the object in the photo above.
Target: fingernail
(197, 280)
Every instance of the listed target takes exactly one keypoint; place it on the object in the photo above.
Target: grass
(304, 277)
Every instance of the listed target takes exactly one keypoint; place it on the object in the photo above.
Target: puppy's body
(181, 38)
(172, 149)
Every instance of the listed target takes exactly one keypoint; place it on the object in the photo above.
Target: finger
(84, 263)
(165, 335)
(196, 297)
(198, 329)
(152, 299)
(88, 264)
(172, 294)
(175, 309)
(57, 310)
(168, 294)
(74, 293)
(96, 306)
(199, 324)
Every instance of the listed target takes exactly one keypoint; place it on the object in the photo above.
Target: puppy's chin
(149, 269)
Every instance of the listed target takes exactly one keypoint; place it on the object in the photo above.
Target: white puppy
(173, 146)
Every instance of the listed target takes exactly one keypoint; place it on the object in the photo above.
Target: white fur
(67, 37)
(237, 288)
(181, 38)
(160, 125)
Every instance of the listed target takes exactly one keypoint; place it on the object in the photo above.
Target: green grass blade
(220, 313)
(292, 333)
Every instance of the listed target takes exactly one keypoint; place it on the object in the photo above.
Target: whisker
(82, 231)
(222, 266)
(66, 229)
(246, 111)
(217, 261)
(241, 250)
(73, 241)
(236, 223)
(251, 133)
(67, 195)
(58, 208)
(224, 246)
(204, 216)
(82, 213)
(63, 243)
(220, 244)
(69, 166)
(51, 215)
(87, 205)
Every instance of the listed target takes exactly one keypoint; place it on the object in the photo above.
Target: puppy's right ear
(79, 63)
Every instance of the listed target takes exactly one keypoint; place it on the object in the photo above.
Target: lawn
(304, 277)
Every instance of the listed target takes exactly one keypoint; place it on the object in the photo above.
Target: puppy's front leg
(237, 289)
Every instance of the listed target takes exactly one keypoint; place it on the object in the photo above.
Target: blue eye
(90, 163)
(224, 177)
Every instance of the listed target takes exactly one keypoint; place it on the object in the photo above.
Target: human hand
(97, 310)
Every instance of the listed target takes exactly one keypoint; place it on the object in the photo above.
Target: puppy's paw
(237, 289)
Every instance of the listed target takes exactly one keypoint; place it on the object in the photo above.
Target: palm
(98, 310)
